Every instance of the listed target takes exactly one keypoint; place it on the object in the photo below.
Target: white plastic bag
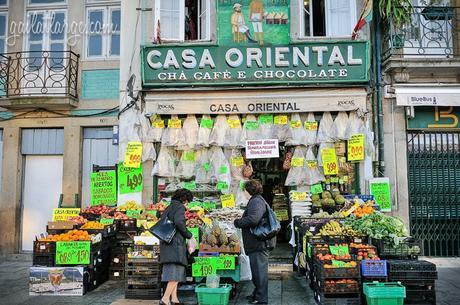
(220, 167)
(321, 147)
(245, 265)
(340, 126)
(217, 137)
(298, 135)
(236, 165)
(166, 163)
(313, 173)
(173, 136)
(205, 131)
(267, 129)
(282, 131)
(157, 128)
(187, 164)
(311, 129)
(251, 129)
(297, 173)
(148, 152)
(355, 125)
(190, 130)
(325, 134)
(233, 134)
(203, 168)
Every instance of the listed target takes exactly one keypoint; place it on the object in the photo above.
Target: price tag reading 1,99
(226, 262)
(204, 266)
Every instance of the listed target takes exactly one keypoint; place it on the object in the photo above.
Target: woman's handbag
(164, 229)
(268, 227)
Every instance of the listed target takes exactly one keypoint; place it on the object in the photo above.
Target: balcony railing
(434, 31)
(40, 73)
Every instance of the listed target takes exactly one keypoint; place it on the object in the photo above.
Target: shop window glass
(104, 25)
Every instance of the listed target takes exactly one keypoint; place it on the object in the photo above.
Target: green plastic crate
(384, 293)
(213, 296)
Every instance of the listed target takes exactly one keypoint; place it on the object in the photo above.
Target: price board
(133, 155)
(329, 161)
(282, 215)
(209, 206)
(130, 180)
(174, 124)
(196, 234)
(355, 147)
(298, 196)
(281, 119)
(206, 123)
(228, 201)
(316, 188)
(73, 252)
(226, 262)
(106, 221)
(191, 185)
(204, 266)
(339, 250)
(133, 213)
(63, 214)
(103, 188)
(380, 189)
(297, 162)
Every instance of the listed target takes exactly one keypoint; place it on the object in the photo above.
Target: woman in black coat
(173, 256)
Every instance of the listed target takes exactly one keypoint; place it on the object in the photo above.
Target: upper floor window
(104, 25)
(3, 2)
(3, 31)
(182, 20)
(47, 1)
(328, 18)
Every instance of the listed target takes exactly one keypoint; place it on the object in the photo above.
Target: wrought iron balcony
(38, 75)
(434, 31)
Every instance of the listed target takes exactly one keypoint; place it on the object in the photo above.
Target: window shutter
(340, 17)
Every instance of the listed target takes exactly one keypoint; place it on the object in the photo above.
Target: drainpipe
(378, 113)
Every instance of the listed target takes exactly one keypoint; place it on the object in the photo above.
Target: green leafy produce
(380, 226)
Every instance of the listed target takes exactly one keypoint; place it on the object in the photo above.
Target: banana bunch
(331, 228)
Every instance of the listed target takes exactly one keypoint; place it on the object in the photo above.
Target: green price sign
(316, 188)
(130, 179)
(221, 185)
(133, 213)
(251, 125)
(191, 186)
(206, 123)
(73, 252)
(226, 262)
(339, 264)
(106, 221)
(339, 250)
(103, 188)
(151, 212)
(223, 170)
(380, 188)
(209, 206)
(204, 266)
(266, 119)
(196, 233)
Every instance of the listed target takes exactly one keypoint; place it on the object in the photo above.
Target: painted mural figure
(239, 29)
(256, 15)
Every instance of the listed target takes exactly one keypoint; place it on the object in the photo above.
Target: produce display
(216, 237)
(130, 205)
(98, 210)
(79, 220)
(328, 200)
(156, 207)
(92, 225)
(72, 235)
(227, 214)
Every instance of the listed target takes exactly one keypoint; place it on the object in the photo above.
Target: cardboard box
(61, 225)
(57, 281)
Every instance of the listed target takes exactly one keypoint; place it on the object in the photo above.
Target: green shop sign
(295, 64)
(436, 118)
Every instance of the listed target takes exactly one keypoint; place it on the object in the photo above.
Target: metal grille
(434, 190)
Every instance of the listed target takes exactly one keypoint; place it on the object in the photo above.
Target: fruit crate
(374, 268)
(117, 260)
(409, 248)
(337, 299)
(142, 282)
(322, 272)
(411, 270)
(44, 247)
(384, 293)
(330, 240)
(116, 274)
(126, 225)
(44, 259)
(109, 230)
(224, 249)
(58, 231)
(328, 287)
(143, 294)
(213, 296)
(360, 248)
(90, 216)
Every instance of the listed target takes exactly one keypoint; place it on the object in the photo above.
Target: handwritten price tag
(226, 262)
(191, 186)
(234, 123)
(281, 120)
(189, 156)
(204, 266)
(338, 264)
(196, 233)
(237, 161)
(329, 161)
(63, 214)
(311, 126)
(298, 196)
(106, 221)
(282, 215)
(297, 162)
(355, 147)
(174, 123)
(206, 123)
(160, 124)
(133, 213)
(223, 170)
(130, 180)
(316, 188)
(228, 201)
(312, 164)
(251, 125)
(296, 124)
(221, 185)
(266, 119)
(339, 250)
(73, 252)
(133, 155)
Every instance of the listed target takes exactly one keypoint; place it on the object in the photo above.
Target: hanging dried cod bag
(281, 126)
(321, 147)
(203, 168)
(325, 134)
(236, 165)
(166, 163)
(251, 128)
(311, 129)
(241, 200)
(173, 135)
(204, 131)
(355, 125)
(298, 135)
(157, 128)
(340, 127)
(267, 129)
(190, 130)
(217, 137)
(297, 173)
(314, 175)
(221, 169)
(129, 118)
(148, 152)
(187, 164)
(233, 134)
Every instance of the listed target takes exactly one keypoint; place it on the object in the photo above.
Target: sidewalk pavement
(294, 290)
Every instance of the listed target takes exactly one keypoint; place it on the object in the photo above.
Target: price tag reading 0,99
(73, 252)
(204, 266)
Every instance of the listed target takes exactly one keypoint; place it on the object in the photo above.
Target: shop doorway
(42, 187)
(434, 196)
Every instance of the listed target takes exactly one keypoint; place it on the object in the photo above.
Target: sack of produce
(298, 135)
(267, 130)
(203, 168)
(314, 175)
(340, 126)
(173, 135)
(321, 147)
(237, 165)
(204, 132)
(166, 163)
(281, 126)
(240, 199)
(220, 167)
(311, 129)
(297, 173)
(217, 137)
(325, 133)
(355, 125)
(148, 152)
(233, 134)
(190, 130)
(157, 128)
(187, 164)
(251, 128)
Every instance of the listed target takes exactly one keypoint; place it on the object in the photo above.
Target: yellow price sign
(237, 161)
(329, 161)
(228, 201)
(298, 196)
(160, 124)
(174, 123)
(63, 214)
(133, 155)
(296, 124)
(297, 162)
(312, 126)
(312, 164)
(234, 123)
(356, 147)
(282, 215)
(281, 119)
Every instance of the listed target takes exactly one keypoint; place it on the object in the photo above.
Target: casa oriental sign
(295, 64)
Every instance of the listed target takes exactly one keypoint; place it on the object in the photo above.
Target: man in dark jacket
(255, 249)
